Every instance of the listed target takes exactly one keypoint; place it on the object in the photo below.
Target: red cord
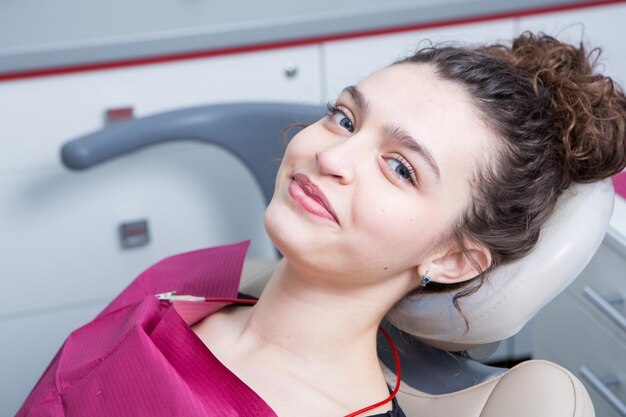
(396, 357)
(230, 300)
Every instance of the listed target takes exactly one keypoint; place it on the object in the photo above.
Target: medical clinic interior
(138, 136)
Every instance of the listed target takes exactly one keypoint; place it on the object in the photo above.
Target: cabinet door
(565, 332)
(347, 62)
(38, 115)
(601, 287)
(601, 26)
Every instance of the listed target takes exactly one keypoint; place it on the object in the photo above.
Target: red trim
(295, 42)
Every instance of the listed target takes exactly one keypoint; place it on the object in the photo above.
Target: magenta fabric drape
(139, 357)
(619, 183)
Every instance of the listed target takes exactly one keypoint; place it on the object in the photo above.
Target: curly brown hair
(557, 121)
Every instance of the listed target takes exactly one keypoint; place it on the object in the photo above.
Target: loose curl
(557, 121)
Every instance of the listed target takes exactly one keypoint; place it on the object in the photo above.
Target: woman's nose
(337, 163)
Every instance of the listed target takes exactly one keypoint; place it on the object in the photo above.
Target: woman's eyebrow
(407, 141)
(358, 97)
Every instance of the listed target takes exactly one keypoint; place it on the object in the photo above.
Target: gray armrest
(251, 131)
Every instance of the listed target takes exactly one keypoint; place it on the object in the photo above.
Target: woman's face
(394, 160)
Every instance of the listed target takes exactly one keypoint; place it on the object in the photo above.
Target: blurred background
(71, 240)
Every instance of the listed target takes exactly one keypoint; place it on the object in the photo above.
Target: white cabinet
(584, 329)
(38, 115)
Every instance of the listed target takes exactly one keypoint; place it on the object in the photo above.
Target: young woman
(424, 176)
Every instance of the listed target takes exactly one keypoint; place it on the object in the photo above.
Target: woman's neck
(320, 327)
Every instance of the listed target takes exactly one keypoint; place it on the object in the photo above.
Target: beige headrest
(515, 292)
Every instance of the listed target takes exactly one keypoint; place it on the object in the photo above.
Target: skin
(308, 348)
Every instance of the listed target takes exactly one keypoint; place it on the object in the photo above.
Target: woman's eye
(402, 169)
(339, 117)
(342, 120)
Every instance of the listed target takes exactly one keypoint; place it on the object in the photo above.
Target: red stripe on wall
(295, 42)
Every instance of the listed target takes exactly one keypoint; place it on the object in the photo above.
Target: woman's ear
(453, 266)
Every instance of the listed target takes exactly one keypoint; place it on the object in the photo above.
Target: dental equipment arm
(251, 131)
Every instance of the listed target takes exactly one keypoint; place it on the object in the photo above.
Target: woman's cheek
(388, 224)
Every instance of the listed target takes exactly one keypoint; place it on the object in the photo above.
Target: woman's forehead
(412, 86)
(436, 112)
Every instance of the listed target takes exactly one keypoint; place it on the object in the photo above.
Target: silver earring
(425, 280)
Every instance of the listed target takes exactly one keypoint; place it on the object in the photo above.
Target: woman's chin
(277, 229)
(292, 238)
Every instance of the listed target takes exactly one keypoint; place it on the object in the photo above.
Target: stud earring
(425, 280)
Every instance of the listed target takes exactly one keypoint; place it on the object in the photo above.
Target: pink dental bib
(139, 357)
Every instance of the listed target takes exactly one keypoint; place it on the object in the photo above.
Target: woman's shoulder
(218, 330)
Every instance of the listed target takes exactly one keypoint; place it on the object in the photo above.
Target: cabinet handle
(601, 388)
(606, 306)
(291, 70)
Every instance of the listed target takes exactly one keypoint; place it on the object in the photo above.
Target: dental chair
(439, 376)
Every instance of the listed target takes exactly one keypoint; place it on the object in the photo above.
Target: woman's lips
(311, 198)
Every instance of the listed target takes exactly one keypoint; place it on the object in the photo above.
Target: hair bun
(588, 106)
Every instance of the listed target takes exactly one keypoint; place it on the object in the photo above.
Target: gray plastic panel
(251, 131)
(431, 370)
(50, 34)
